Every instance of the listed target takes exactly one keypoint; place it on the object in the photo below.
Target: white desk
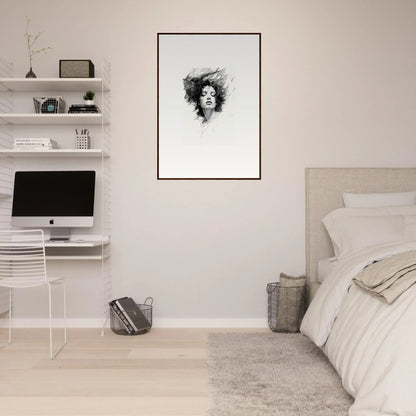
(77, 248)
(70, 243)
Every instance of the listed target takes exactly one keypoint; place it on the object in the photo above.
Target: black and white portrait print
(208, 106)
(206, 90)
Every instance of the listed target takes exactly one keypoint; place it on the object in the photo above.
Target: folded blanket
(291, 303)
(390, 277)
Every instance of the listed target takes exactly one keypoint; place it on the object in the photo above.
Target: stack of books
(34, 144)
(82, 108)
(130, 315)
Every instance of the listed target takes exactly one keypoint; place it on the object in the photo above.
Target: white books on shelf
(33, 140)
(32, 148)
(38, 143)
(28, 140)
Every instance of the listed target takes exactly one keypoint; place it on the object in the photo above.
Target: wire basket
(146, 308)
(49, 105)
(286, 303)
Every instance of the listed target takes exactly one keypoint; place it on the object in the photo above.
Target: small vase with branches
(31, 40)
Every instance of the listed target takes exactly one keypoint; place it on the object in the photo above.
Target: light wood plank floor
(162, 373)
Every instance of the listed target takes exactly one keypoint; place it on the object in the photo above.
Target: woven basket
(286, 303)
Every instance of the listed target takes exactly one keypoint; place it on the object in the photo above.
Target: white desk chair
(23, 264)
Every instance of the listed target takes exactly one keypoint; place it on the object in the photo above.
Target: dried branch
(31, 40)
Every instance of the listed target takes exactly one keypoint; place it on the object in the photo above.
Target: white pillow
(333, 221)
(332, 217)
(352, 234)
(389, 199)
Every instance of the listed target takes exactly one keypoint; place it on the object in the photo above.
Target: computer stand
(60, 234)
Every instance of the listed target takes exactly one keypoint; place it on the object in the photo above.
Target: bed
(371, 343)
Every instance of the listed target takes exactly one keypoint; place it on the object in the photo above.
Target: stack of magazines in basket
(130, 315)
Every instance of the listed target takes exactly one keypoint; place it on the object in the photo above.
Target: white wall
(338, 89)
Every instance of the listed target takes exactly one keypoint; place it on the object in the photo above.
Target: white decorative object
(82, 141)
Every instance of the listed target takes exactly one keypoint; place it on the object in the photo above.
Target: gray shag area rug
(272, 374)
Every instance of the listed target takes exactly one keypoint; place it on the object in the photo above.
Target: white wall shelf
(55, 153)
(52, 84)
(53, 119)
(73, 258)
(65, 244)
(14, 121)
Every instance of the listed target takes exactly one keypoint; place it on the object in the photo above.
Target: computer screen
(53, 199)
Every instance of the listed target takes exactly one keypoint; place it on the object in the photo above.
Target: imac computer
(57, 200)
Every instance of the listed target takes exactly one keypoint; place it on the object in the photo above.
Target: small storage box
(286, 303)
(117, 326)
(49, 105)
(76, 68)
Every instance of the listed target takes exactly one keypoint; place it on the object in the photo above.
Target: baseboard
(210, 323)
(44, 323)
(157, 323)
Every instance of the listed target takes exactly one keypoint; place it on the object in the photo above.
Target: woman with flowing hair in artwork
(206, 90)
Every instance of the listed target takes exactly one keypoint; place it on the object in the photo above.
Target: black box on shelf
(73, 68)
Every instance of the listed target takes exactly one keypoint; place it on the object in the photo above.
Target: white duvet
(370, 343)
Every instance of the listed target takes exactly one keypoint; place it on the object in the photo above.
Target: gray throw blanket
(389, 278)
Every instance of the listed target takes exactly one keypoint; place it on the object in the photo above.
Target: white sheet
(371, 344)
(325, 266)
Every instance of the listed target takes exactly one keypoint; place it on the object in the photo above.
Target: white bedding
(325, 267)
(371, 344)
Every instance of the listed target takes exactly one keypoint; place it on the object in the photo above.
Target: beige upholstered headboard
(324, 188)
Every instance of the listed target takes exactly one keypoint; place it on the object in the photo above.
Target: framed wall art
(209, 106)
